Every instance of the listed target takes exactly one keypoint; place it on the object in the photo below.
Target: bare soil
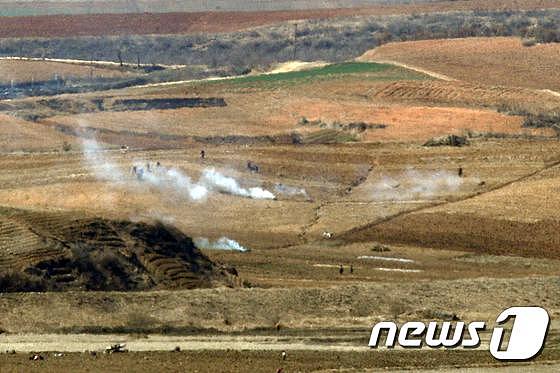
(490, 61)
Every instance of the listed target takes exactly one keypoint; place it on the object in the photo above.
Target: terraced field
(466, 94)
(60, 251)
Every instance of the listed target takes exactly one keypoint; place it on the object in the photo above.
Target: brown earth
(270, 361)
(184, 23)
(410, 123)
(497, 61)
(340, 180)
(20, 71)
(437, 92)
(167, 6)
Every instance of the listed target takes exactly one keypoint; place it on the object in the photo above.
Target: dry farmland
(489, 61)
(309, 170)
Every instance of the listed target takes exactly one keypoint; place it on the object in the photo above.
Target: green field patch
(361, 70)
(318, 72)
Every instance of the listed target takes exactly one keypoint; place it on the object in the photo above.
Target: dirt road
(93, 342)
(433, 74)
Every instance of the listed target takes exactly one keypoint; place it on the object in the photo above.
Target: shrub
(66, 146)
(18, 281)
(529, 42)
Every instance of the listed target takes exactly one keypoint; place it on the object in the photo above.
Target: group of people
(139, 171)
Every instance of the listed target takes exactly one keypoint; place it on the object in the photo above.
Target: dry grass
(19, 135)
(332, 308)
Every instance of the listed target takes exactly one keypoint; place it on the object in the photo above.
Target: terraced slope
(57, 251)
(467, 94)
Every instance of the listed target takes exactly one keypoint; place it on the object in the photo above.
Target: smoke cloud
(214, 180)
(223, 243)
(102, 168)
(173, 180)
(414, 184)
(290, 190)
(168, 179)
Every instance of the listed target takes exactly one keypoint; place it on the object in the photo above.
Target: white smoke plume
(223, 243)
(174, 180)
(215, 180)
(168, 179)
(414, 184)
(290, 190)
(102, 168)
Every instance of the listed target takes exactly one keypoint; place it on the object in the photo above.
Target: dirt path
(439, 76)
(433, 74)
(550, 91)
(93, 342)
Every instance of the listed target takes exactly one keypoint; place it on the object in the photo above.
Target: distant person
(202, 154)
(341, 269)
(460, 172)
(252, 166)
